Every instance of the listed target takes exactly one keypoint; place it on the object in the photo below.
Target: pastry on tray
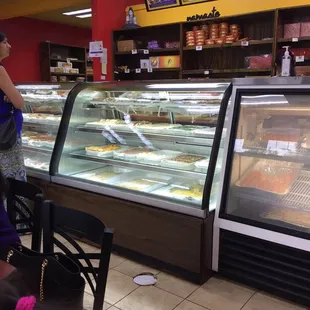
(195, 191)
(187, 158)
(295, 217)
(106, 148)
(271, 176)
(137, 151)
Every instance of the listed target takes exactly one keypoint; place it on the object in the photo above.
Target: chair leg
(105, 254)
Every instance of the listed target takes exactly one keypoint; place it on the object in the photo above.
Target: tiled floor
(173, 293)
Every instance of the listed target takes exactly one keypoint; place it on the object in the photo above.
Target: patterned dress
(12, 160)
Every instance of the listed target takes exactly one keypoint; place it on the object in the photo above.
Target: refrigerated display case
(144, 142)
(44, 105)
(262, 221)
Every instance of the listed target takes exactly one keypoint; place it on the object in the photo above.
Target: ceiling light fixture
(77, 12)
(84, 16)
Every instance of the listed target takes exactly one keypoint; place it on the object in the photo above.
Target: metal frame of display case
(105, 189)
(259, 254)
(144, 233)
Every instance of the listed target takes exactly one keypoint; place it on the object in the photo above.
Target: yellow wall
(226, 8)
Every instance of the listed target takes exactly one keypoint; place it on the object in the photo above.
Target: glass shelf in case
(268, 167)
(145, 142)
(44, 105)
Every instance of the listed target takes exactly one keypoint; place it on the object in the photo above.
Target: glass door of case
(150, 143)
(267, 181)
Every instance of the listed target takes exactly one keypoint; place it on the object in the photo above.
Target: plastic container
(175, 164)
(259, 62)
(104, 154)
(269, 176)
(104, 175)
(155, 158)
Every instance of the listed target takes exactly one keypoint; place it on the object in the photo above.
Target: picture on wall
(152, 5)
(187, 2)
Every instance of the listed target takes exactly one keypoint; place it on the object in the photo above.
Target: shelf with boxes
(226, 47)
(154, 51)
(64, 63)
(293, 29)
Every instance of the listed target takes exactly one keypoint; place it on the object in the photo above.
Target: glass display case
(44, 105)
(267, 180)
(145, 142)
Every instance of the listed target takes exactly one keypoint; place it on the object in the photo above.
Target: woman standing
(11, 160)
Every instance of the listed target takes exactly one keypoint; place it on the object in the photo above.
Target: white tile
(150, 298)
(132, 269)
(116, 260)
(187, 305)
(175, 285)
(118, 286)
(89, 302)
(218, 294)
(267, 302)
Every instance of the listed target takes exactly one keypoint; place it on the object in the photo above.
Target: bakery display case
(146, 142)
(262, 223)
(44, 105)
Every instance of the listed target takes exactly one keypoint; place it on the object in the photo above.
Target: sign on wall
(186, 2)
(152, 5)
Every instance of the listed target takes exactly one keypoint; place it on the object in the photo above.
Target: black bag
(53, 278)
(8, 132)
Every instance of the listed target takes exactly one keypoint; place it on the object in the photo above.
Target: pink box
(305, 29)
(292, 31)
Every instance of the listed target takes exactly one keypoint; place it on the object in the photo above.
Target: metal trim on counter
(205, 141)
(115, 162)
(135, 197)
(39, 174)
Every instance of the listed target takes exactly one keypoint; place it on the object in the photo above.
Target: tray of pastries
(103, 175)
(155, 158)
(103, 150)
(271, 176)
(42, 118)
(182, 161)
(191, 191)
(131, 154)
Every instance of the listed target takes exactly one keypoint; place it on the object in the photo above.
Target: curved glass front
(151, 140)
(44, 105)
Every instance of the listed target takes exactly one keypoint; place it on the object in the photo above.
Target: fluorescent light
(78, 12)
(187, 86)
(84, 16)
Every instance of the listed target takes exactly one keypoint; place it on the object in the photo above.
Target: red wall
(108, 16)
(25, 35)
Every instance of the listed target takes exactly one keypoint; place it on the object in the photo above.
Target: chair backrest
(69, 223)
(21, 198)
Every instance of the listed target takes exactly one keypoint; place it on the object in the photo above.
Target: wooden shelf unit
(264, 30)
(51, 53)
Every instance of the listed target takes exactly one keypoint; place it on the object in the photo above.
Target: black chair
(19, 197)
(69, 223)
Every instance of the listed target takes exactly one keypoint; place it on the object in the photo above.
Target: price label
(300, 58)
(244, 43)
(207, 72)
(146, 52)
(127, 70)
(281, 147)
(199, 48)
(294, 39)
(239, 145)
(138, 70)
(134, 52)
(149, 70)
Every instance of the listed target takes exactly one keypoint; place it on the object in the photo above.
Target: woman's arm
(10, 90)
